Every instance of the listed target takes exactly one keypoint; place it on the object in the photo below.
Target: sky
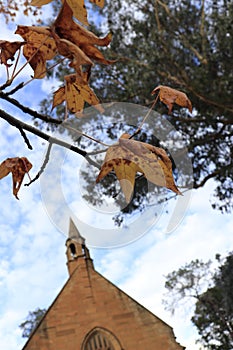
(34, 229)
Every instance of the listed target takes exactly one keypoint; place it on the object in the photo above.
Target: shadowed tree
(32, 320)
(212, 292)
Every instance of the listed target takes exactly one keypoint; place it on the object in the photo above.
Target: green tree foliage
(212, 292)
(187, 45)
(31, 322)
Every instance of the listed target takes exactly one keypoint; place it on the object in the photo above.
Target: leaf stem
(16, 63)
(146, 116)
(54, 65)
(28, 61)
(85, 135)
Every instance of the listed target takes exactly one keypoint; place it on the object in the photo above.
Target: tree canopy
(184, 45)
(211, 290)
(32, 320)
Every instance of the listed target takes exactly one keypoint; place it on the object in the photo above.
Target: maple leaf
(170, 96)
(78, 7)
(129, 157)
(67, 49)
(67, 29)
(75, 93)
(39, 48)
(39, 2)
(8, 50)
(18, 167)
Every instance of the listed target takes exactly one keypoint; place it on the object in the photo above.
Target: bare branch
(29, 111)
(212, 175)
(46, 160)
(19, 124)
(23, 134)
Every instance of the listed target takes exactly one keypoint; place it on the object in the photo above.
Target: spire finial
(74, 233)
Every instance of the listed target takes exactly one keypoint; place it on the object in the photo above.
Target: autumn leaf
(39, 2)
(66, 28)
(170, 96)
(99, 3)
(78, 7)
(76, 92)
(18, 167)
(40, 47)
(129, 157)
(78, 58)
(8, 50)
(59, 97)
(120, 160)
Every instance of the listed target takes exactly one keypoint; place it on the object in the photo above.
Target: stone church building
(91, 313)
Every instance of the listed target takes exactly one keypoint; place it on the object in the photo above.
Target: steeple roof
(74, 233)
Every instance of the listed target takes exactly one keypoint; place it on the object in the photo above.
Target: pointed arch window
(101, 339)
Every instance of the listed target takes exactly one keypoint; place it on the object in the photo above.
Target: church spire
(76, 249)
(74, 233)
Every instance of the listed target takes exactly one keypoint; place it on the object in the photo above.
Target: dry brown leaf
(66, 28)
(121, 161)
(78, 7)
(79, 10)
(18, 167)
(76, 92)
(170, 96)
(59, 97)
(78, 58)
(40, 47)
(99, 3)
(8, 50)
(130, 157)
(39, 2)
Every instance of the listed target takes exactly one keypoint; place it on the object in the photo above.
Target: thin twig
(16, 63)
(29, 110)
(23, 134)
(45, 71)
(93, 153)
(17, 123)
(45, 162)
(29, 60)
(7, 73)
(13, 91)
(146, 116)
(85, 135)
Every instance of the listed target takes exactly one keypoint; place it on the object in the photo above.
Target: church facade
(91, 313)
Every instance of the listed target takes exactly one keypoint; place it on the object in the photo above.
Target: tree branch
(23, 134)
(46, 160)
(29, 111)
(19, 124)
(212, 175)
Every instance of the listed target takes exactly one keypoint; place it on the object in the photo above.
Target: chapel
(91, 313)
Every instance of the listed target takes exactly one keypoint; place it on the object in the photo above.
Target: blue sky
(32, 248)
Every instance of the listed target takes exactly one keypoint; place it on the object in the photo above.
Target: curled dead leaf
(18, 167)
(78, 58)
(130, 157)
(8, 50)
(76, 92)
(39, 2)
(66, 28)
(170, 96)
(39, 48)
(78, 7)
